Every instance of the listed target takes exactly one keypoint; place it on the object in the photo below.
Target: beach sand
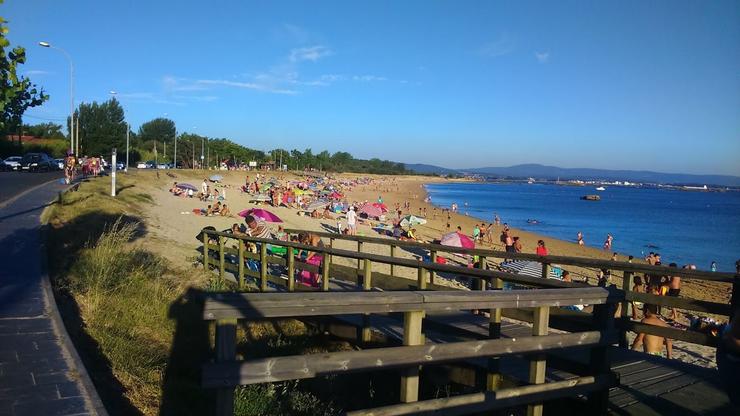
(172, 229)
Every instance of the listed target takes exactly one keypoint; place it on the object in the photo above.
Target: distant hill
(552, 172)
(430, 169)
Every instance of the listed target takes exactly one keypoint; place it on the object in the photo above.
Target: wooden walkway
(649, 385)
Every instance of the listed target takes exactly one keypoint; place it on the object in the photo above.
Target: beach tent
(187, 186)
(527, 268)
(455, 239)
(411, 220)
(371, 210)
(261, 213)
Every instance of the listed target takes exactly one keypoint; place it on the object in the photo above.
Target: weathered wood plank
(505, 398)
(672, 333)
(537, 364)
(308, 366)
(680, 303)
(412, 335)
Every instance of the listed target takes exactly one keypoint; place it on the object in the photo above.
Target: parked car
(37, 162)
(163, 166)
(146, 165)
(120, 166)
(60, 163)
(12, 163)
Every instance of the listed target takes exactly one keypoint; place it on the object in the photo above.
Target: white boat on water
(601, 188)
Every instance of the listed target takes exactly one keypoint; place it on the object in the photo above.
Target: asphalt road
(14, 183)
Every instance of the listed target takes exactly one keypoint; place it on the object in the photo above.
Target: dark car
(38, 162)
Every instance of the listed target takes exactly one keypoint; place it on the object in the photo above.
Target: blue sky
(625, 84)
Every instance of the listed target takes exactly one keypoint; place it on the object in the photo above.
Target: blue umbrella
(216, 178)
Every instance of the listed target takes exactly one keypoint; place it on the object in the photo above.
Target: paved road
(40, 373)
(13, 183)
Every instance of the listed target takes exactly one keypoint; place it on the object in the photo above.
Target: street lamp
(128, 129)
(73, 145)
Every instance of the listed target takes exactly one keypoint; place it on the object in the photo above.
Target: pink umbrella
(261, 213)
(380, 205)
(371, 210)
(456, 239)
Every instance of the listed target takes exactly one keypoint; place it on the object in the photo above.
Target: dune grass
(135, 318)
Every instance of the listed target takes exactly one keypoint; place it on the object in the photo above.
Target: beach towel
(309, 278)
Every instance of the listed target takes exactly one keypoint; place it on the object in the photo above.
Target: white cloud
(368, 78)
(32, 72)
(542, 57)
(313, 53)
(504, 45)
(246, 85)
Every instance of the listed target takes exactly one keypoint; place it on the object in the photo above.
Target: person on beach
(541, 249)
(507, 241)
(351, 221)
(674, 289)
(257, 227)
(728, 357)
(614, 256)
(608, 242)
(566, 276)
(517, 245)
(496, 219)
(476, 233)
(579, 236)
(225, 211)
(653, 344)
(637, 287)
(204, 187)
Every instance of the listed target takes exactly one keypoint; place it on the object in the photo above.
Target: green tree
(45, 131)
(102, 127)
(161, 130)
(17, 93)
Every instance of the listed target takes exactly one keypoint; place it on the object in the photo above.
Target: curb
(68, 347)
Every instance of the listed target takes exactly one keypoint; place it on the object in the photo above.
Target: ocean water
(684, 227)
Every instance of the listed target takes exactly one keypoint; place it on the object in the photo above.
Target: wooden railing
(364, 277)
(226, 373)
(628, 271)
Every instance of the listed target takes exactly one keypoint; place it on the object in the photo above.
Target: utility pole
(113, 173)
(202, 146)
(128, 129)
(174, 158)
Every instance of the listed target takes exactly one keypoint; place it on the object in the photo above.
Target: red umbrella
(380, 205)
(261, 213)
(336, 195)
(371, 210)
(456, 239)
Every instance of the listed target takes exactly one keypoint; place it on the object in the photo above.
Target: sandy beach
(172, 228)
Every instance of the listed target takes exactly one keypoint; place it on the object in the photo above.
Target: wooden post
(241, 264)
(291, 269)
(433, 259)
(359, 250)
(263, 267)
(205, 253)
(411, 336)
(626, 287)
(225, 352)
(221, 257)
(325, 266)
(603, 319)
(421, 281)
(537, 364)
(545, 270)
(366, 285)
(494, 378)
(393, 254)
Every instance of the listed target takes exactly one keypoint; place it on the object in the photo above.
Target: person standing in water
(579, 236)
(608, 242)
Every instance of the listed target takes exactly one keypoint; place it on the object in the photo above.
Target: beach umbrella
(216, 178)
(380, 205)
(336, 195)
(261, 213)
(411, 220)
(317, 205)
(527, 268)
(371, 210)
(186, 186)
(456, 239)
(260, 198)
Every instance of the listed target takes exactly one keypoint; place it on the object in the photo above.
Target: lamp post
(128, 130)
(73, 146)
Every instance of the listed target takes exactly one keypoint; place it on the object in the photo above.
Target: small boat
(601, 188)
(532, 221)
(591, 198)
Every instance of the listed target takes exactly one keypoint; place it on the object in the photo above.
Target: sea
(685, 227)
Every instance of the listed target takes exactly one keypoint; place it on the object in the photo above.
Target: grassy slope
(136, 318)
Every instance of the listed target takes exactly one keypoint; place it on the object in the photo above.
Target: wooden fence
(227, 373)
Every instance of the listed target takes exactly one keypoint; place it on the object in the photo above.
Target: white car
(13, 163)
(146, 165)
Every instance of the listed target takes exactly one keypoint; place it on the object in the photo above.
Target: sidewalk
(40, 372)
